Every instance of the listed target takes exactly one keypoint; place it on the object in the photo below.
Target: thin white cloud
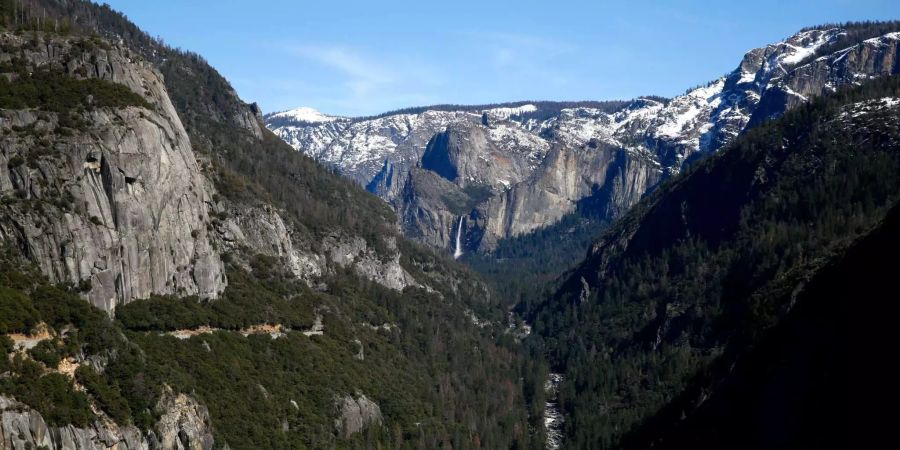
(519, 54)
(362, 76)
(355, 80)
(365, 83)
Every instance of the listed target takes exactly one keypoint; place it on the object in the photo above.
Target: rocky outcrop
(852, 65)
(535, 164)
(612, 178)
(382, 153)
(360, 148)
(252, 230)
(184, 425)
(248, 117)
(354, 252)
(468, 155)
(120, 205)
(432, 208)
(247, 231)
(355, 414)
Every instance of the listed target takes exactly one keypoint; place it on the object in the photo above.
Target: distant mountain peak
(306, 114)
(805, 43)
(549, 156)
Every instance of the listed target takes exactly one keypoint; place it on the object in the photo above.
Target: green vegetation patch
(55, 91)
(17, 314)
(287, 301)
(26, 301)
(438, 380)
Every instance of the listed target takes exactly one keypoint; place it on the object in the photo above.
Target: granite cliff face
(120, 202)
(360, 148)
(159, 181)
(505, 171)
(184, 425)
(116, 201)
(825, 74)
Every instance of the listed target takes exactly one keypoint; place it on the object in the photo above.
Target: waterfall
(458, 252)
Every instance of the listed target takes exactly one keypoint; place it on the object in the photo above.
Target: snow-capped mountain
(359, 148)
(303, 115)
(509, 169)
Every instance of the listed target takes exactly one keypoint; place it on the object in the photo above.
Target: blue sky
(354, 57)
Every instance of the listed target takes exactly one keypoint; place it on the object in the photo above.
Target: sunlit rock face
(123, 203)
(511, 169)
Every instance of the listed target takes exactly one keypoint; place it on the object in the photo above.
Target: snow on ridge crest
(880, 39)
(507, 112)
(783, 56)
(306, 114)
(806, 43)
(702, 119)
(686, 112)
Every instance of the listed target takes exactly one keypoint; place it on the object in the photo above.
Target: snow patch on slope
(305, 114)
(505, 112)
(685, 112)
(895, 36)
(805, 44)
(869, 106)
(665, 132)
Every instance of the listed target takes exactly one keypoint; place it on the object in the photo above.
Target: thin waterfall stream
(458, 252)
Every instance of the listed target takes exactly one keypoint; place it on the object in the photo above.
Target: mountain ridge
(630, 146)
(164, 257)
(296, 246)
(450, 107)
(706, 266)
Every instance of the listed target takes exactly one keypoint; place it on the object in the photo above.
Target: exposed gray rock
(616, 178)
(261, 230)
(355, 414)
(184, 425)
(431, 208)
(508, 171)
(249, 118)
(353, 252)
(251, 230)
(122, 204)
(853, 65)
(468, 155)
(478, 158)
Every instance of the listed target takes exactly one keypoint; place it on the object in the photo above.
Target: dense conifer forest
(712, 315)
(714, 259)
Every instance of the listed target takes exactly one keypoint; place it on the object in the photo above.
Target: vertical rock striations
(120, 203)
